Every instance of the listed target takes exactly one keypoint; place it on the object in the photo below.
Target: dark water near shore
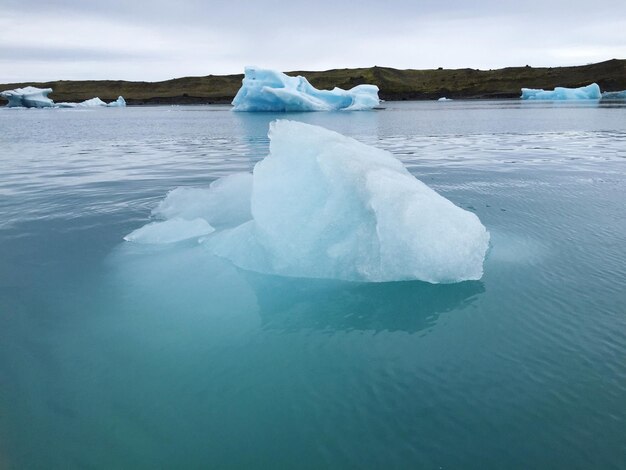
(117, 356)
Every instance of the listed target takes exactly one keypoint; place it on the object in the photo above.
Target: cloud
(156, 40)
(76, 54)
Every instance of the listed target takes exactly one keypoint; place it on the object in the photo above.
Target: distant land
(394, 84)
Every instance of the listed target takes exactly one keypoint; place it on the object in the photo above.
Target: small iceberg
(94, 103)
(28, 97)
(322, 205)
(614, 95)
(32, 97)
(269, 90)
(589, 92)
(120, 102)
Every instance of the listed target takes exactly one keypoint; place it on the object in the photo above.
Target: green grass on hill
(394, 84)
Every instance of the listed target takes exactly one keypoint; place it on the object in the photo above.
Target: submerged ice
(322, 205)
(614, 95)
(589, 92)
(269, 90)
(170, 231)
(32, 97)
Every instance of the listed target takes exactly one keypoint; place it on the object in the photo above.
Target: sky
(139, 40)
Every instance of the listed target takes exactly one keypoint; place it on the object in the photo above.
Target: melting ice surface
(322, 205)
(188, 213)
(589, 92)
(226, 203)
(269, 90)
(32, 97)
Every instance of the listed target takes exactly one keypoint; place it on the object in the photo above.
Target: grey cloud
(162, 39)
(234, 14)
(54, 54)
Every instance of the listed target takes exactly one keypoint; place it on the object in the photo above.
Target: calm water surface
(117, 356)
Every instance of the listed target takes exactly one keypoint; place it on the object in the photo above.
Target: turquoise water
(118, 356)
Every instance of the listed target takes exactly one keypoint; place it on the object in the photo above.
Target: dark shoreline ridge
(394, 84)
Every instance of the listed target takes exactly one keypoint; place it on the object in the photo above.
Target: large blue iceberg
(322, 205)
(269, 90)
(589, 92)
(32, 97)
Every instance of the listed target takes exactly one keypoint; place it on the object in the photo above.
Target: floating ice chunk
(614, 95)
(28, 97)
(32, 97)
(93, 103)
(322, 205)
(589, 92)
(120, 102)
(225, 204)
(327, 206)
(269, 90)
(170, 231)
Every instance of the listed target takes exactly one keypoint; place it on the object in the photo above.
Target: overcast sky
(156, 40)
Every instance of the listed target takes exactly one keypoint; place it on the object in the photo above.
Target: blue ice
(614, 95)
(589, 92)
(28, 97)
(33, 97)
(323, 205)
(94, 103)
(269, 90)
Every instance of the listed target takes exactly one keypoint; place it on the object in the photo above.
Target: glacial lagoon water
(114, 355)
